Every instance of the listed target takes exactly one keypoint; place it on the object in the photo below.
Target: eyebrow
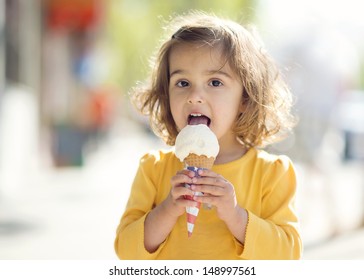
(219, 71)
(176, 72)
(208, 72)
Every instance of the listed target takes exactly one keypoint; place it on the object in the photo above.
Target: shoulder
(275, 167)
(157, 165)
(270, 159)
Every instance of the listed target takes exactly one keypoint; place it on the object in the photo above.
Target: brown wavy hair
(267, 99)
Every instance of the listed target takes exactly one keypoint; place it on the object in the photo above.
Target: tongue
(199, 120)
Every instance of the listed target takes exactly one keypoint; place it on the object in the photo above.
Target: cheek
(175, 108)
(173, 105)
(227, 113)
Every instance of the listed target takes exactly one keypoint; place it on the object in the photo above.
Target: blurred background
(70, 142)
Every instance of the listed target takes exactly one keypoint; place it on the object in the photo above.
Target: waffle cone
(200, 161)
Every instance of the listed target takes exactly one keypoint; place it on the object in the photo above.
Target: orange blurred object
(72, 14)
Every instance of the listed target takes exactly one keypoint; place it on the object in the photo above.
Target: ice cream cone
(196, 146)
(195, 162)
(201, 161)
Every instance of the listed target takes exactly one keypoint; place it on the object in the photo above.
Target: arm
(220, 193)
(270, 233)
(144, 227)
(161, 220)
(130, 232)
(274, 232)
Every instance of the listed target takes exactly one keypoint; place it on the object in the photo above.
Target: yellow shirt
(265, 186)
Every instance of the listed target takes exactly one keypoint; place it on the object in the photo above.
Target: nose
(195, 96)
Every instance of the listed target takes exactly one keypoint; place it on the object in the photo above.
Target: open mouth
(195, 119)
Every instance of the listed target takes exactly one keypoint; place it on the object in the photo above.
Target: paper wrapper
(195, 162)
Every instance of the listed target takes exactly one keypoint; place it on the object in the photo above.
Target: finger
(209, 189)
(207, 199)
(180, 178)
(205, 172)
(187, 172)
(210, 178)
(180, 191)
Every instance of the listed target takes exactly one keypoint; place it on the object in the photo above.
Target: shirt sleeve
(274, 233)
(129, 241)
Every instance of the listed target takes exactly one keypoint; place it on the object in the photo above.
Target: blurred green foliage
(134, 28)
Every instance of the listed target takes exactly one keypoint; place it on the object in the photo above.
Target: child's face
(201, 84)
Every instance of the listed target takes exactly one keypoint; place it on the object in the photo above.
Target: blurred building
(71, 30)
(48, 54)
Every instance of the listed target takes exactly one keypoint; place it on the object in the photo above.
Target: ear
(243, 105)
(243, 101)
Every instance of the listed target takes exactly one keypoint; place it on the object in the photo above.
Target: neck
(230, 152)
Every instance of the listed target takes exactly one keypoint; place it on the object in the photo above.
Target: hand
(176, 199)
(218, 192)
(161, 220)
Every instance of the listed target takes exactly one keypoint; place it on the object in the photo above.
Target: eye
(216, 83)
(183, 84)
